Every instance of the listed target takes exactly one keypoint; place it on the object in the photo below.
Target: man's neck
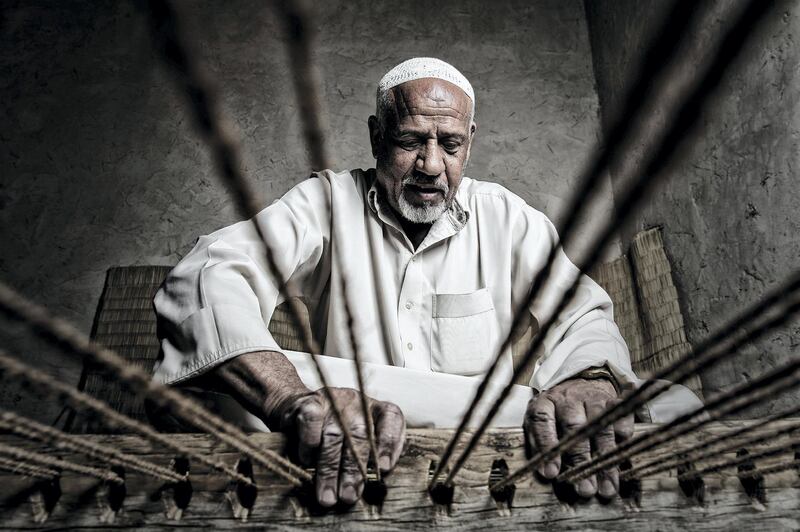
(415, 232)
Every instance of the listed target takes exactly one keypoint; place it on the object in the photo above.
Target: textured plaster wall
(99, 165)
(730, 209)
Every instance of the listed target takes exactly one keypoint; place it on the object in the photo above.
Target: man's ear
(375, 135)
(472, 129)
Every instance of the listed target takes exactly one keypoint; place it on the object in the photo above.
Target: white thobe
(448, 303)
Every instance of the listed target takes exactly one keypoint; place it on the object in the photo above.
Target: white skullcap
(425, 67)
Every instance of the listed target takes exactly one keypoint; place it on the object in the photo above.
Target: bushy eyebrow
(410, 133)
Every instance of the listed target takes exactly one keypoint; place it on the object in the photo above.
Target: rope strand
(704, 354)
(32, 430)
(684, 120)
(373, 448)
(307, 82)
(654, 61)
(83, 401)
(741, 460)
(729, 403)
(21, 468)
(68, 337)
(226, 152)
(794, 464)
(697, 452)
(39, 459)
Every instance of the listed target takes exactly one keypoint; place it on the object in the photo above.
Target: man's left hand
(565, 408)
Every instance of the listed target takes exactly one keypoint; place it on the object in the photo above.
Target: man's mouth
(424, 192)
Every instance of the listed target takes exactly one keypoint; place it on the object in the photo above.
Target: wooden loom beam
(719, 501)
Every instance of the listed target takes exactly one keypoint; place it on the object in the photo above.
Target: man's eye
(451, 147)
(408, 144)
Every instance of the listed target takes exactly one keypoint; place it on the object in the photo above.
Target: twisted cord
(759, 390)
(373, 448)
(307, 78)
(38, 459)
(307, 82)
(654, 61)
(226, 152)
(32, 430)
(28, 470)
(697, 453)
(71, 339)
(83, 401)
(704, 354)
(743, 459)
(778, 468)
(684, 121)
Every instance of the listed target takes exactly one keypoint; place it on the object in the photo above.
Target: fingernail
(551, 470)
(349, 495)
(585, 488)
(384, 463)
(606, 488)
(328, 497)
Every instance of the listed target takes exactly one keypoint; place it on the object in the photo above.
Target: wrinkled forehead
(430, 97)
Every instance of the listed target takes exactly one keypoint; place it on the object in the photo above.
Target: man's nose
(430, 160)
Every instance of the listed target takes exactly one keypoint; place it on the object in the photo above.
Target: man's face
(423, 147)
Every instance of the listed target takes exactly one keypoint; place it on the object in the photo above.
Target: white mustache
(411, 180)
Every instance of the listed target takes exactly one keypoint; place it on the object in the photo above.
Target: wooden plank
(662, 504)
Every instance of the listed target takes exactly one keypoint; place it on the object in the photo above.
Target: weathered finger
(541, 431)
(351, 482)
(330, 456)
(603, 443)
(308, 420)
(571, 416)
(623, 428)
(390, 433)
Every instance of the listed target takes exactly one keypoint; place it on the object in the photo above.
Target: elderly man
(454, 261)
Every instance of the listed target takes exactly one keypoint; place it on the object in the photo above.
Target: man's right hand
(267, 385)
(310, 422)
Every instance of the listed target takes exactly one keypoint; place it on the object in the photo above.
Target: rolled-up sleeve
(216, 303)
(584, 334)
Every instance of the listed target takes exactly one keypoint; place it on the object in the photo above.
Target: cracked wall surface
(729, 208)
(100, 166)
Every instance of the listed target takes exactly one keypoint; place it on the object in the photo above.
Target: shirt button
(410, 346)
(409, 304)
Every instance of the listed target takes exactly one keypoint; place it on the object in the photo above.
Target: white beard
(420, 214)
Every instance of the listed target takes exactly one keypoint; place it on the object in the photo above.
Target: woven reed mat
(617, 279)
(646, 307)
(125, 322)
(662, 321)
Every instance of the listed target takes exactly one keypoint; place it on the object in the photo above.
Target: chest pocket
(464, 332)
